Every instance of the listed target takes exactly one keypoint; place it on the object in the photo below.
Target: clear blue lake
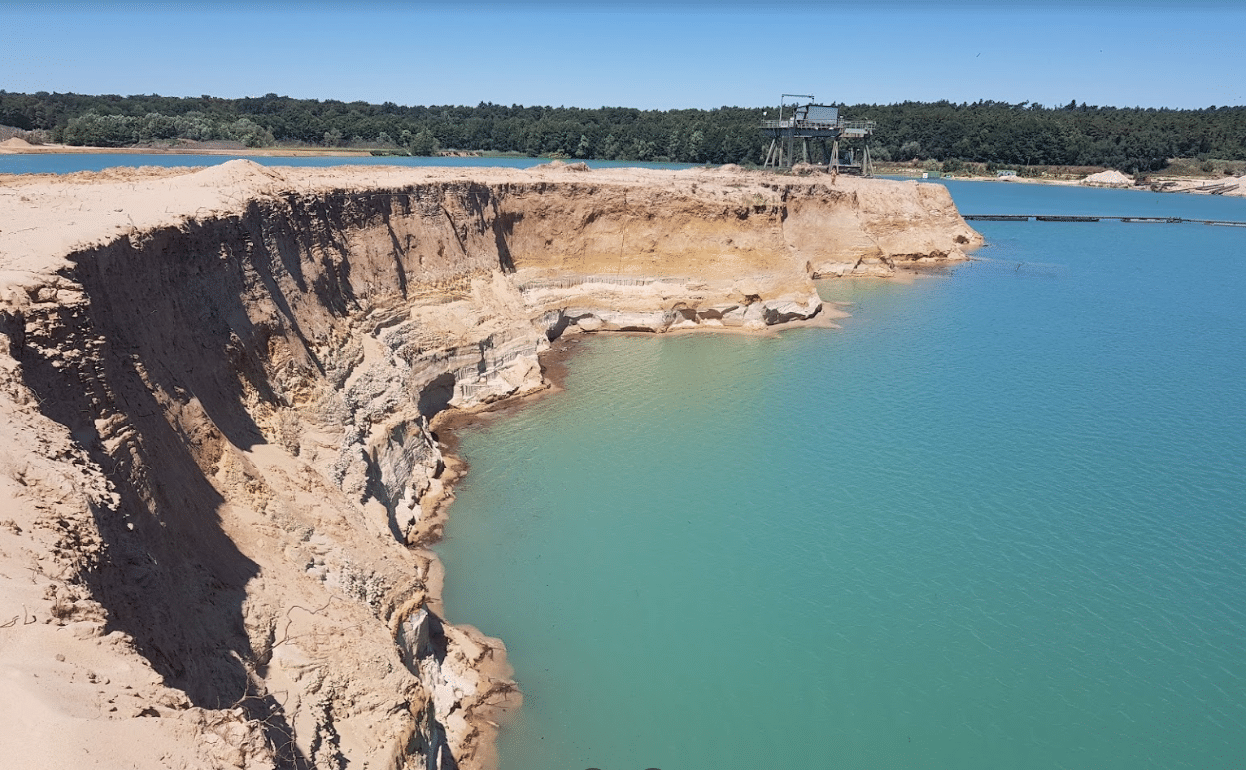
(996, 520)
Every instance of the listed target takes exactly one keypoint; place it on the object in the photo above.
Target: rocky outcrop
(219, 474)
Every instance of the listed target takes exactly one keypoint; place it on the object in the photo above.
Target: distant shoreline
(268, 152)
(1168, 183)
(1171, 183)
(23, 148)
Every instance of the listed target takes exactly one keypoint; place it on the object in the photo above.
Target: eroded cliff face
(218, 474)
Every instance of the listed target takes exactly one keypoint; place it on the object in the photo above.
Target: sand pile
(558, 165)
(1111, 178)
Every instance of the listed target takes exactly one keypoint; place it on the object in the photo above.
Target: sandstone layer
(218, 467)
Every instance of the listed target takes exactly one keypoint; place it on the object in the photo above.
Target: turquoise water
(68, 163)
(996, 521)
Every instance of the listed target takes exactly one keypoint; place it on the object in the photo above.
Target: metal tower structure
(805, 121)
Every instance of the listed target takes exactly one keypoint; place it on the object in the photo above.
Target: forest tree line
(1129, 139)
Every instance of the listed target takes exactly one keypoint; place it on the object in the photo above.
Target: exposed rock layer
(216, 389)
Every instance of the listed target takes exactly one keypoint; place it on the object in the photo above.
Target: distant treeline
(1129, 139)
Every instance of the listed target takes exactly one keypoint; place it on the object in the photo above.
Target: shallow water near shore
(997, 520)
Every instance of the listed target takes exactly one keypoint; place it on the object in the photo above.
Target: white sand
(1109, 178)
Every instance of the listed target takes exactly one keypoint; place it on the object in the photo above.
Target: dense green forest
(1129, 139)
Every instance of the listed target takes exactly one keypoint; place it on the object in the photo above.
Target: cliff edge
(217, 471)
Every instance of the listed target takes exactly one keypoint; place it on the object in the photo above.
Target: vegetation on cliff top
(1130, 139)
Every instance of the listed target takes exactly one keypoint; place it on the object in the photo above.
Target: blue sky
(647, 54)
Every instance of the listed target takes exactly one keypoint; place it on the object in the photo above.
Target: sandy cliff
(217, 472)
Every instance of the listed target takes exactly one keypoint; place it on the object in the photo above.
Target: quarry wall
(220, 391)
